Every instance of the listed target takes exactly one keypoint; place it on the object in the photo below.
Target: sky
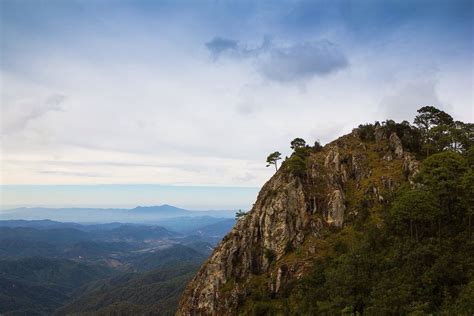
(166, 96)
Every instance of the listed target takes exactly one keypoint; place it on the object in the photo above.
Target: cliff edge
(277, 241)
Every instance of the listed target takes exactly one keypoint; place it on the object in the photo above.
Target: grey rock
(336, 207)
(379, 133)
(396, 145)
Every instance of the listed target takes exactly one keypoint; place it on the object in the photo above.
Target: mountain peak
(158, 207)
(299, 204)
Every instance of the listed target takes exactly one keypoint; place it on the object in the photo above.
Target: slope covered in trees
(152, 293)
(98, 268)
(37, 286)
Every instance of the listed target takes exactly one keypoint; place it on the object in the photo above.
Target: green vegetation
(273, 158)
(240, 214)
(367, 132)
(410, 253)
(33, 286)
(269, 255)
(99, 269)
(433, 131)
(153, 293)
(297, 143)
(413, 210)
(297, 163)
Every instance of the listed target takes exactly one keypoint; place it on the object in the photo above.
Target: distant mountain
(129, 233)
(56, 235)
(190, 224)
(208, 234)
(218, 229)
(138, 233)
(140, 214)
(40, 224)
(166, 210)
(174, 255)
(162, 210)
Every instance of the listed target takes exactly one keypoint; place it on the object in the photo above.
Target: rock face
(411, 166)
(290, 212)
(276, 222)
(379, 133)
(396, 145)
(336, 208)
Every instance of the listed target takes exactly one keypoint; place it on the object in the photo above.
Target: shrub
(269, 254)
(367, 132)
(297, 165)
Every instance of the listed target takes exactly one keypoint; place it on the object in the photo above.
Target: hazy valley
(49, 267)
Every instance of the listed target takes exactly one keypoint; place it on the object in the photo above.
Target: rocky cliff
(278, 240)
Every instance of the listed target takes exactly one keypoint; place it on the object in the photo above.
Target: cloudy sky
(178, 94)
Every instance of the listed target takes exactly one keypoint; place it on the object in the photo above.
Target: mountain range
(49, 267)
(139, 214)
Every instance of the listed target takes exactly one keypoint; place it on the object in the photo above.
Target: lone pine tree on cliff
(273, 158)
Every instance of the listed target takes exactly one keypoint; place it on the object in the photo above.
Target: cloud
(17, 113)
(284, 63)
(68, 173)
(246, 108)
(218, 46)
(302, 61)
(163, 111)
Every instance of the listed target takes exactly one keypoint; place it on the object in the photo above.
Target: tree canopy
(273, 158)
(297, 143)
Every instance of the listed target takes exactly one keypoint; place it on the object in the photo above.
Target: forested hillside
(116, 267)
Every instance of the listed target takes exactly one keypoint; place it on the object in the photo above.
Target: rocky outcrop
(379, 133)
(289, 212)
(277, 221)
(357, 166)
(336, 208)
(411, 166)
(396, 145)
(332, 161)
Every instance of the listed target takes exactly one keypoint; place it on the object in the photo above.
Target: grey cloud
(302, 61)
(297, 62)
(218, 46)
